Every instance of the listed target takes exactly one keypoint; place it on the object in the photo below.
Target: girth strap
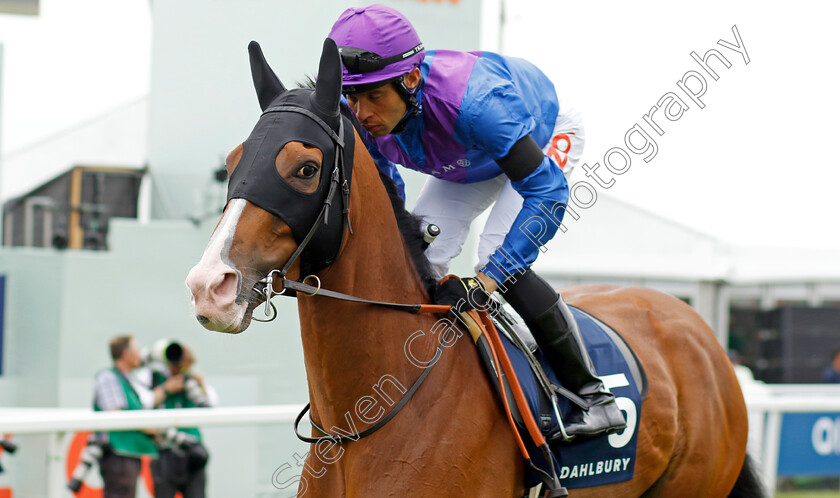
(500, 357)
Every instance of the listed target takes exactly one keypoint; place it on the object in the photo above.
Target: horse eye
(307, 171)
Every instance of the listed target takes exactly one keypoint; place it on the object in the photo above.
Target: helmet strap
(413, 106)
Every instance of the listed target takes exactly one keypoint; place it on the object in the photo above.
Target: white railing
(49, 420)
(57, 423)
(767, 400)
(771, 402)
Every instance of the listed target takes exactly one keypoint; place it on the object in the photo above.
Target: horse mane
(412, 234)
(409, 224)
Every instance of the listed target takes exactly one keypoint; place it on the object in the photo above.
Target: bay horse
(290, 213)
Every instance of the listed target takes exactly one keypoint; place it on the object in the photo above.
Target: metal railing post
(55, 465)
(770, 457)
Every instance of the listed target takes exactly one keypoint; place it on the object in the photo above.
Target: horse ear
(328, 85)
(266, 83)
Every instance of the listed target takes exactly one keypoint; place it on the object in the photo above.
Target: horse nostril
(228, 286)
(202, 319)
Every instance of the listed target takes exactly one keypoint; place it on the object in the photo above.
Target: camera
(9, 446)
(195, 393)
(183, 447)
(165, 353)
(174, 438)
(91, 454)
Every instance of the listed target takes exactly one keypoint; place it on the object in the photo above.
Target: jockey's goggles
(359, 61)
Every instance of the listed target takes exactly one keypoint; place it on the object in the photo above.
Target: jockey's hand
(462, 294)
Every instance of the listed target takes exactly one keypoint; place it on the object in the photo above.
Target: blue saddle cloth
(597, 461)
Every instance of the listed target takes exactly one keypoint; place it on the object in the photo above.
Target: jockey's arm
(540, 182)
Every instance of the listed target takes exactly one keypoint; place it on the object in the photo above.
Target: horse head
(283, 209)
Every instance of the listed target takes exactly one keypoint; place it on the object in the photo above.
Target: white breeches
(454, 206)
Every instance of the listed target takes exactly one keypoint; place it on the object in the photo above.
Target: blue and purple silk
(475, 106)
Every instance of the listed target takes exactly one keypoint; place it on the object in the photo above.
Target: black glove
(462, 294)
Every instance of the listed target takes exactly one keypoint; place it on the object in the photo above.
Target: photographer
(116, 388)
(182, 455)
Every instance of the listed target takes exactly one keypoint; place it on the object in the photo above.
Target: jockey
(487, 129)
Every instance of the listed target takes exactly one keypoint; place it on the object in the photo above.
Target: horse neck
(349, 347)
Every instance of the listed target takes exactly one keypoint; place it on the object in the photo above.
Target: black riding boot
(558, 336)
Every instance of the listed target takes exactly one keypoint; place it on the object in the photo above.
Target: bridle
(338, 176)
(338, 179)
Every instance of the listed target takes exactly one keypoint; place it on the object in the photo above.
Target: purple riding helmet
(378, 45)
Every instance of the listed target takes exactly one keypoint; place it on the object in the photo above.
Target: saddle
(578, 464)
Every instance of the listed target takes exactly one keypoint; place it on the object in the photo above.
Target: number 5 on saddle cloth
(592, 462)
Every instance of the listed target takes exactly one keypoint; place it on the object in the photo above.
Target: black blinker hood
(317, 220)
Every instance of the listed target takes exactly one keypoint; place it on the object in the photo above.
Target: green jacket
(130, 443)
(176, 400)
